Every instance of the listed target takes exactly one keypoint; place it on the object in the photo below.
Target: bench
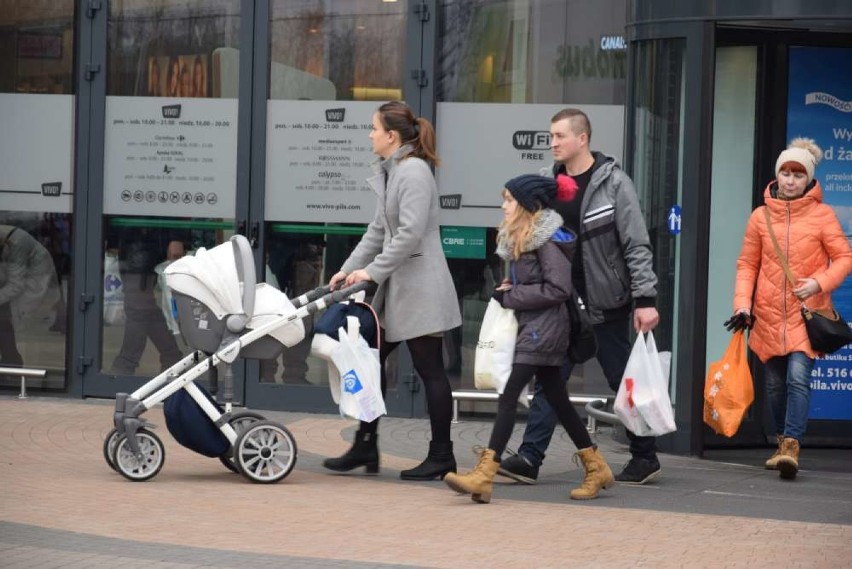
(24, 373)
(489, 395)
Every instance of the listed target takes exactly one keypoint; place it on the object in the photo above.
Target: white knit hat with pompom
(802, 151)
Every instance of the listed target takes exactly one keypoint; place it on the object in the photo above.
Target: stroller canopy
(211, 277)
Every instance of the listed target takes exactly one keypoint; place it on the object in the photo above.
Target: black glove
(739, 321)
(498, 296)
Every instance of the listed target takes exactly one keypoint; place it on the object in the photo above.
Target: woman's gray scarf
(545, 226)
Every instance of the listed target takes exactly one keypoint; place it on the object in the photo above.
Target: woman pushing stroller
(539, 251)
(415, 299)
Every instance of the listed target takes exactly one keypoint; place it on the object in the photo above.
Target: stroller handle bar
(328, 296)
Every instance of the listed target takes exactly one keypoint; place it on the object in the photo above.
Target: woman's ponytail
(416, 131)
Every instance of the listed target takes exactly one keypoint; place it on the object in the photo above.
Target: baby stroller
(222, 314)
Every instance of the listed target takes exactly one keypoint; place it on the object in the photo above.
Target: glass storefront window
(331, 64)
(36, 173)
(37, 46)
(169, 165)
(344, 50)
(657, 133)
(174, 48)
(532, 51)
(141, 334)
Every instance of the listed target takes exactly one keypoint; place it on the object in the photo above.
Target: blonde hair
(516, 230)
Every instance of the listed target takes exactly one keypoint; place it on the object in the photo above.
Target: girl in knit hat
(539, 252)
(817, 251)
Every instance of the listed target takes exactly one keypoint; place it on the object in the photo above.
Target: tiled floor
(61, 506)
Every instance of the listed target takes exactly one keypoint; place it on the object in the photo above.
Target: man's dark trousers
(614, 348)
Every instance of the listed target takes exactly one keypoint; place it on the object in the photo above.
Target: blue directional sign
(673, 219)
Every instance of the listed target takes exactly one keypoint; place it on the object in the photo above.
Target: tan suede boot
(788, 462)
(477, 482)
(772, 461)
(598, 474)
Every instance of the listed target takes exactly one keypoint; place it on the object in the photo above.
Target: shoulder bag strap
(784, 264)
(778, 252)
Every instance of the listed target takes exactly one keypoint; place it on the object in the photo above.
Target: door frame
(407, 400)
(770, 137)
(87, 344)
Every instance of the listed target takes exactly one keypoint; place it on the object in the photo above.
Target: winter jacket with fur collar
(541, 283)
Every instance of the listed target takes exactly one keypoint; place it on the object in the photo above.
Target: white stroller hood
(211, 277)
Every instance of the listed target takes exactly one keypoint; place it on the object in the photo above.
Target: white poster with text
(170, 157)
(36, 152)
(482, 145)
(318, 156)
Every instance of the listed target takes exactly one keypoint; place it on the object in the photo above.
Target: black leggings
(554, 390)
(428, 358)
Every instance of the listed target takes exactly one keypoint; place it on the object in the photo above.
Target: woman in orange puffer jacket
(818, 252)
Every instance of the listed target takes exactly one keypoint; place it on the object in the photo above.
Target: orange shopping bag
(728, 389)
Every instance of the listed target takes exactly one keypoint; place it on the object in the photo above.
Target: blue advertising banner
(820, 107)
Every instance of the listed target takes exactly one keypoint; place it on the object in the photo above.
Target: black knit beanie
(532, 192)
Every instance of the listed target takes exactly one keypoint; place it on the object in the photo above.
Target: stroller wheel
(147, 464)
(239, 421)
(265, 452)
(109, 448)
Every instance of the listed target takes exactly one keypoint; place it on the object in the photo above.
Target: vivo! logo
(53, 189)
(451, 201)
(335, 115)
(171, 111)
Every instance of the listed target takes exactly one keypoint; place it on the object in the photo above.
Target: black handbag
(827, 333)
(582, 345)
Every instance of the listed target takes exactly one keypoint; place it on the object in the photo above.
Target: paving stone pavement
(63, 507)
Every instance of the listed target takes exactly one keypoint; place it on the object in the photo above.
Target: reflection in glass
(348, 50)
(173, 48)
(37, 46)
(532, 51)
(657, 132)
(34, 271)
(141, 333)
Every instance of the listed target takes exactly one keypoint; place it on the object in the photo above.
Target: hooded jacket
(541, 283)
(811, 238)
(616, 251)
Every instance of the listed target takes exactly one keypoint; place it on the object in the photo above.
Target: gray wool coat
(402, 252)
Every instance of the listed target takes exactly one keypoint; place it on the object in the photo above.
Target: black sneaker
(518, 468)
(639, 471)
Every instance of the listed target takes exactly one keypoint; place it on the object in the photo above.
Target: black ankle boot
(364, 452)
(439, 462)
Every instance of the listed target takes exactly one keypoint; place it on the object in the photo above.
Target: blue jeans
(788, 390)
(613, 352)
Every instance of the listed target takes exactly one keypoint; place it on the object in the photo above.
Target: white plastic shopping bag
(113, 292)
(166, 299)
(360, 388)
(642, 402)
(495, 350)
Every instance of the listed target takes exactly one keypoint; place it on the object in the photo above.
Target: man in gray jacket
(612, 271)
